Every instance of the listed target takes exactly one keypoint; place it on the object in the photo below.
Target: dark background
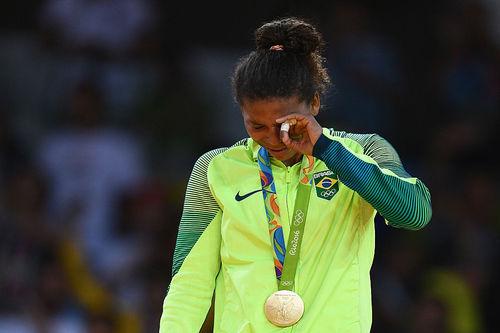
(106, 104)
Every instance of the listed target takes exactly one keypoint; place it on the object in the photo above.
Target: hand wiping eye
(285, 127)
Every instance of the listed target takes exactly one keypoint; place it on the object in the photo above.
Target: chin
(289, 158)
(282, 155)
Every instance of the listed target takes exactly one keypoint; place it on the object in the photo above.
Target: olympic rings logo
(286, 283)
(328, 193)
(299, 217)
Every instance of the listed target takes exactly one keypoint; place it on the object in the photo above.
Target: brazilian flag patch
(326, 184)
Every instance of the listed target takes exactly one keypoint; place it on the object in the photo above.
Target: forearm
(196, 261)
(192, 287)
(403, 201)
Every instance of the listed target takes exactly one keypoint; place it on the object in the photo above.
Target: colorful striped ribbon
(272, 207)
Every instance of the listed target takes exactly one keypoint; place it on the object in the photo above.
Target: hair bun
(295, 35)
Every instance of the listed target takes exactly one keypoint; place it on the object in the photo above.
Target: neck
(296, 158)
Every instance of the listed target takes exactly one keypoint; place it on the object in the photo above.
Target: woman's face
(260, 117)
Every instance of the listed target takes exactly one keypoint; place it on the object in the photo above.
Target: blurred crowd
(106, 104)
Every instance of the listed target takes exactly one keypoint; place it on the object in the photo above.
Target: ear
(315, 105)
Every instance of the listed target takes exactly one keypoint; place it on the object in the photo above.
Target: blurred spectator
(34, 289)
(447, 305)
(429, 316)
(396, 278)
(114, 42)
(366, 73)
(89, 167)
(152, 214)
(492, 7)
(12, 153)
(102, 26)
(210, 70)
(468, 69)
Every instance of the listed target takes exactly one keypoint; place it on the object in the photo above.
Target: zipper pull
(288, 174)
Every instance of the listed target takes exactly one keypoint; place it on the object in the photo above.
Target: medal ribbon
(285, 262)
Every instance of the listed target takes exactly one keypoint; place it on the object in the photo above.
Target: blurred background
(106, 104)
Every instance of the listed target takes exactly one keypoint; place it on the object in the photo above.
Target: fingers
(291, 141)
(284, 133)
(285, 127)
(287, 140)
(295, 124)
(292, 126)
(290, 130)
(293, 118)
(306, 127)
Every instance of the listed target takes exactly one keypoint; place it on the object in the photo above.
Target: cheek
(257, 135)
(251, 133)
(259, 138)
(267, 136)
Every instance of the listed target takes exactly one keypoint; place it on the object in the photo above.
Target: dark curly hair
(287, 62)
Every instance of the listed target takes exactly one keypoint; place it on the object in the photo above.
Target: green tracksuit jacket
(223, 244)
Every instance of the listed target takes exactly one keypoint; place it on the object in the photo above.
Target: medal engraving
(284, 308)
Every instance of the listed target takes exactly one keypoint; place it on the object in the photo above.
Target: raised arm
(377, 174)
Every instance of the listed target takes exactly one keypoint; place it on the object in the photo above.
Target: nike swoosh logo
(239, 197)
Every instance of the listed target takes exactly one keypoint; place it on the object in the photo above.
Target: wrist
(316, 135)
(321, 145)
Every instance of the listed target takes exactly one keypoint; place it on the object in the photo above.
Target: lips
(277, 149)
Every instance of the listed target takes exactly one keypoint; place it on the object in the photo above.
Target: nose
(274, 136)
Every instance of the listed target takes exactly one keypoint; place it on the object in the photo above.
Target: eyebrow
(254, 122)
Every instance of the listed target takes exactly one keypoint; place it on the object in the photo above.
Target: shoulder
(364, 140)
(369, 142)
(204, 161)
(376, 147)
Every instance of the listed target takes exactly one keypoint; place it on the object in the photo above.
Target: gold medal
(284, 308)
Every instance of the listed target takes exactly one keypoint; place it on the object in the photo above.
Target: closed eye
(257, 127)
